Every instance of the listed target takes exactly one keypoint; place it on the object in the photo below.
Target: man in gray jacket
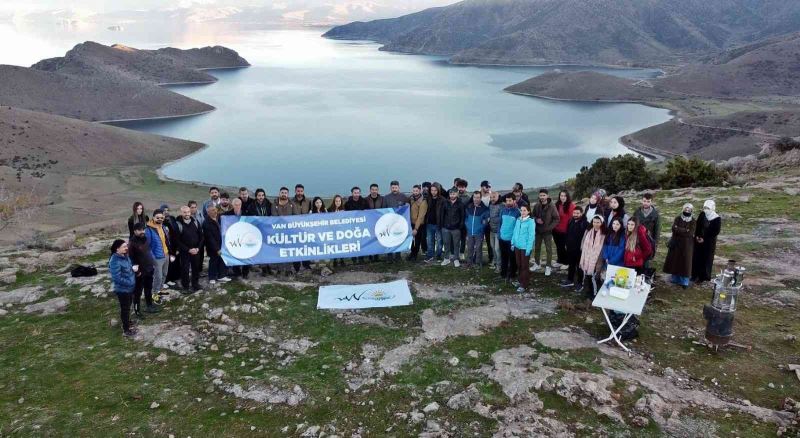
(394, 199)
(546, 215)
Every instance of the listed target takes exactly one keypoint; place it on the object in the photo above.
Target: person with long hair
(123, 276)
(616, 209)
(708, 227)
(522, 240)
(337, 205)
(564, 207)
(680, 247)
(597, 206)
(637, 245)
(138, 217)
(591, 255)
(318, 206)
(614, 248)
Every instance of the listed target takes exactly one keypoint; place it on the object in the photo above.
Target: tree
(693, 172)
(623, 172)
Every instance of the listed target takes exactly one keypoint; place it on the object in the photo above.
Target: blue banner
(257, 240)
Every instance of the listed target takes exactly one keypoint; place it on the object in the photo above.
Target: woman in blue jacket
(123, 276)
(614, 248)
(522, 243)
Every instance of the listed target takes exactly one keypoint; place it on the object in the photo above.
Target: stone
(473, 354)
(562, 340)
(453, 361)
(466, 399)
(431, 407)
(49, 307)
(640, 421)
(161, 357)
(178, 339)
(297, 346)
(64, 242)
(154, 405)
(8, 275)
(3, 312)
(417, 417)
(23, 295)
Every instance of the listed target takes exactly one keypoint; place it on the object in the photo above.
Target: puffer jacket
(637, 257)
(524, 235)
(564, 216)
(122, 275)
(508, 220)
(614, 253)
(476, 219)
(548, 214)
(452, 215)
(494, 216)
(160, 247)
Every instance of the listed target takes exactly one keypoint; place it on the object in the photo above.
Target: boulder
(49, 307)
(23, 295)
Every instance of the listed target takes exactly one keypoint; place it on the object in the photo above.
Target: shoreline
(144, 119)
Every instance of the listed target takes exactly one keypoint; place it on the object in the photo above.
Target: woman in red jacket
(637, 246)
(564, 206)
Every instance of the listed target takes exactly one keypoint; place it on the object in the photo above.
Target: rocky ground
(469, 358)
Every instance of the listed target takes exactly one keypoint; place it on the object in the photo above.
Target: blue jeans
(433, 235)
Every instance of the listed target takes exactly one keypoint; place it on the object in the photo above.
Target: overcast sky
(101, 6)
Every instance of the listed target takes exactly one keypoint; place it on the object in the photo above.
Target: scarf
(160, 230)
(691, 209)
(710, 209)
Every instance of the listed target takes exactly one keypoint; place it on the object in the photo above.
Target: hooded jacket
(140, 254)
(122, 275)
(524, 235)
(637, 257)
(508, 220)
(159, 239)
(548, 214)
(591, 250)
(476, 218)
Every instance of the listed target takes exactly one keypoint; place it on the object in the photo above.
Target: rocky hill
(619, 32)
(91, 98)
(163, 66)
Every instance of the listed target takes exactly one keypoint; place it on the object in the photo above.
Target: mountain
(615, 32)
(163, 66)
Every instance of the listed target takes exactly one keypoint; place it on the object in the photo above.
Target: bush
(785, 144)
(623, 172)
(692, 172)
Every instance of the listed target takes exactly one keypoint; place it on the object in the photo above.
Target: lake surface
(333, 114)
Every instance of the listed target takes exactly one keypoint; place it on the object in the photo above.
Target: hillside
(618, 32)
(91, 98)
(163, 66)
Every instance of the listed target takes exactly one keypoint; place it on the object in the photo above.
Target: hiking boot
(152, 309)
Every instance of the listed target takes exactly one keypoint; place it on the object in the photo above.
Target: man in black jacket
(576, 228)
(433, 223)
(142, 258)
(355, 203)
(452, 220)
(213, 242)
(189, 240)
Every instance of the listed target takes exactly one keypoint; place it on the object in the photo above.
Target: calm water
(333, 114)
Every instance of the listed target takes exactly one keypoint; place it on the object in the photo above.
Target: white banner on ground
(364, 296)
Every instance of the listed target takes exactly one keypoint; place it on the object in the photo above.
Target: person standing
(596, 206)
(680, 248)
(709, 225)
(337, 205)
(300, 205)
(520, 196)
(237, 211)
(374, 202)
(418, 211)
(508, 220)
(141, 256)
(614, 248)
(318, 206)
(547, 219)
(648, 216)
(521, 243)
(486, 198)
(217, 272)
(395, 199)
(174, 266)
(573, 238)
(476, 220)
(247, 201)
(495, 207)
(616, 210)
(138, 217)
(124, 279)
(158, 235)
(464, 198)
(564, 207)
(189, 240)
(356, 202)
(261, 206)
(637, 246)
(200, 218)
(452, 222)
(591, 255)
(433, 224)
(212, 201)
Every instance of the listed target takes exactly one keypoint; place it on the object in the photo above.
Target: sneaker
(566, 283)
(534, 267)
(224, 279)
(515, 283)
(170, 283)
(429, 260)
(445, 262)
(152, 309)
(556, 265)
(520, 290)
(214, 282)
(547, 271)
(165, 286)
(456, 263)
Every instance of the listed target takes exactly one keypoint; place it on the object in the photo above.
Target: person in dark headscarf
(681, 247)
(708, 227)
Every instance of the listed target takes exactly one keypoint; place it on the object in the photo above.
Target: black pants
(572, 260)
(190, 267)
(561, 247)
(463, 243)
(508, 264)
(487, 237)
(590, 285)
(422, 235)
(144, 282)
(125, 310)
(306, 264)
(419, 242)
(174, 271)
(241, 271)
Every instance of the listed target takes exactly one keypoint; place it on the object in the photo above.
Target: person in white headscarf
(681, 247)
(708, 227)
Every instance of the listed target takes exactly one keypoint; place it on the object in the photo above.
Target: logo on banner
(391, 229)
(369, 295)
(243, 240)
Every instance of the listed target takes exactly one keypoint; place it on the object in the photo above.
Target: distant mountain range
(609, 32)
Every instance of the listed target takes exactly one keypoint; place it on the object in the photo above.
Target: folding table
(632, 305)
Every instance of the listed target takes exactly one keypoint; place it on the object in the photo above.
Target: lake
(333, 114)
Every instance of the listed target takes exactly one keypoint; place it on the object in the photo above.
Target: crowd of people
(448, 226)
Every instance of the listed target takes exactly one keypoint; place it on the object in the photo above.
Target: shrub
(693, 172)
(785, 144)
(623, 172)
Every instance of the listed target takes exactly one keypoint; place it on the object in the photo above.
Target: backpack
(83, 271)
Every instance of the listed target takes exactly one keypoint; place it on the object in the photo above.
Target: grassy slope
(73, 375)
